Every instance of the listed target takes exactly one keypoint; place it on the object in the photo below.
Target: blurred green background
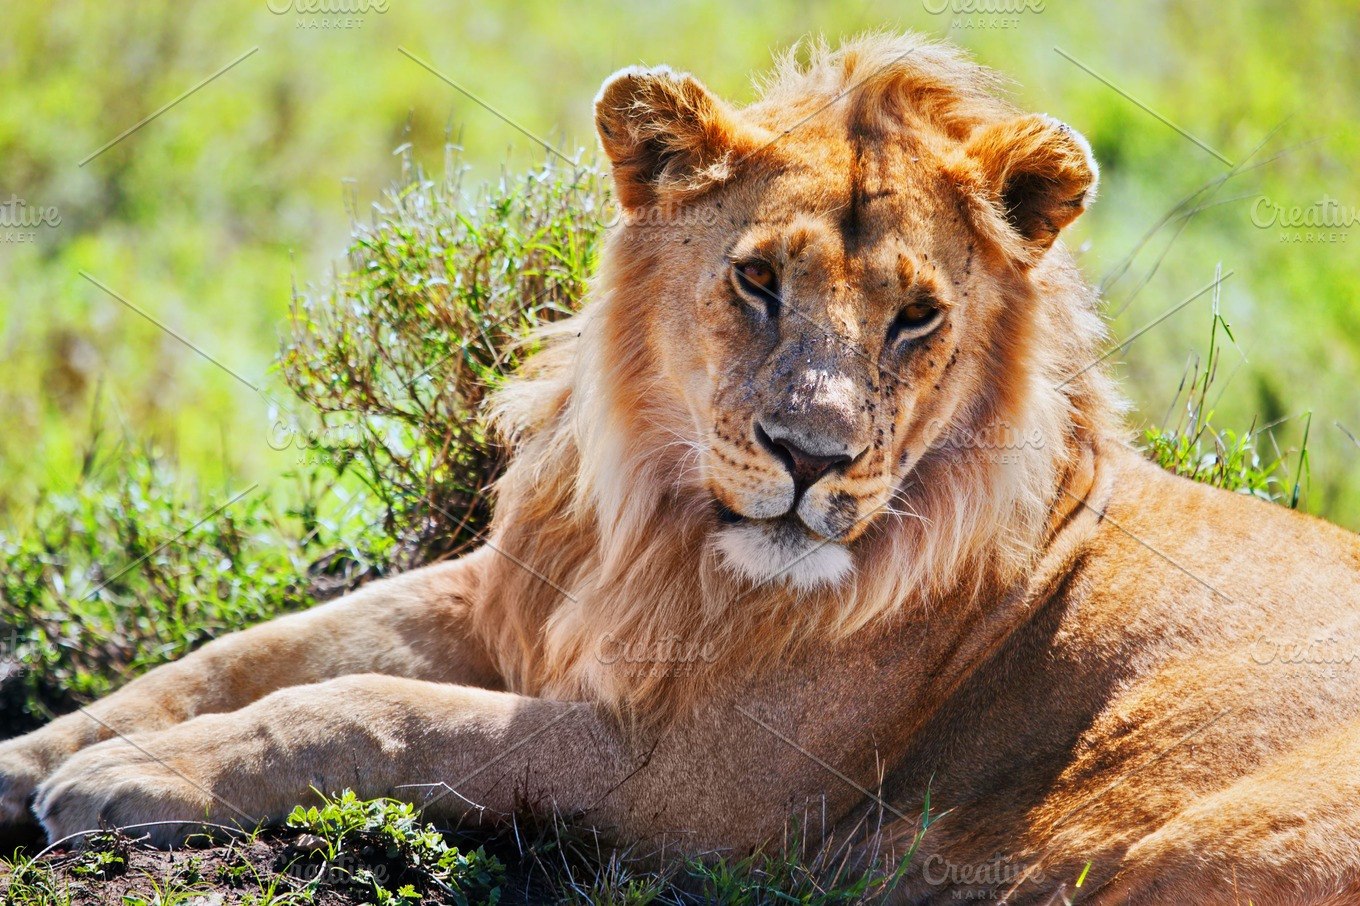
(205, 216)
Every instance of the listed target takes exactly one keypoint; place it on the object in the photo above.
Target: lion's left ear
(1038, 171)
(666, 134)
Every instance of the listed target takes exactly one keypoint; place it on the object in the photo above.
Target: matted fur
(604, 448)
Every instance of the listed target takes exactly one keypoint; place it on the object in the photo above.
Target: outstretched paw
(121, 784)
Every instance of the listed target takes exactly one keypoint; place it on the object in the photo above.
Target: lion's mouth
(781, 549)
(785, 522)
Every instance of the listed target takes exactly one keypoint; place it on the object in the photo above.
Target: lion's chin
(780, 550)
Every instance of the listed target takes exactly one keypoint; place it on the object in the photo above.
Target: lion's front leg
(716, 778)
(415, 625)
(455, 747)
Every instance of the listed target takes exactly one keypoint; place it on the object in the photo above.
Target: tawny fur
(1088, 665)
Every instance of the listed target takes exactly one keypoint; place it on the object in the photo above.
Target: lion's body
(1167, 707)
(933, 567)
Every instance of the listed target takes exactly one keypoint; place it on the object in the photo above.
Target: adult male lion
(830, 434)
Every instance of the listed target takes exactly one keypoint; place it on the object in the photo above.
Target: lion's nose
(804, 465)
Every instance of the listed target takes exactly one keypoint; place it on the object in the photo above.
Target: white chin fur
(775, 552)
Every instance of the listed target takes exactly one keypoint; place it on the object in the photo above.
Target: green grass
(1195, 446)
(124, 571)
(380, 851)
(401, 860)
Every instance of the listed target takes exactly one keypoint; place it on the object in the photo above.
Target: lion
(822, 509)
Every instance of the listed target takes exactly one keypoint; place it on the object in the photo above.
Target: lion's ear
(664, 132)
(1038, 171)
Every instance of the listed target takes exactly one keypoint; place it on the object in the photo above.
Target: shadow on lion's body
(814, 548)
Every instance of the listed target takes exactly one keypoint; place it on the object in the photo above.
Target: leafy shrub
(130, 569)
(398, 354)
(390, 364)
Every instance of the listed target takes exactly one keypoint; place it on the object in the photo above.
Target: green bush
(390, 363)
(397, 355)
(131, 569)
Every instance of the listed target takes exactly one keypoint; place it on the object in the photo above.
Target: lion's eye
(915, 320)
(759, 275)
(757, 280)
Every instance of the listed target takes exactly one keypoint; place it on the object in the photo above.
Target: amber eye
(758, 274)
(757, 280)
(915, 320)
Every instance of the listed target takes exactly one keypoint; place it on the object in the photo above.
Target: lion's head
(833, 365)
(833, 278)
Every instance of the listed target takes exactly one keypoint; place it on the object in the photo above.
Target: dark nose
(805, 467)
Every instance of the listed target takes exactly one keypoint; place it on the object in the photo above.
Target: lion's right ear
(665, 134)
(1037, 172)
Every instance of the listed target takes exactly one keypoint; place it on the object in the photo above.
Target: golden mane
(603, 526)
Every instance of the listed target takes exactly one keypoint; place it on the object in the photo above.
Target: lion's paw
(117, 784)
(21, 770)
